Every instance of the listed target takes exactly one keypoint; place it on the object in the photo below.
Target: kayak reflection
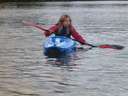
(63, 61)
(66, 60)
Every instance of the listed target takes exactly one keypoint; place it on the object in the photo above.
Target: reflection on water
(25, 71)
(63, 61)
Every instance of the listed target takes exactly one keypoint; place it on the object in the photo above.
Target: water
(25, 71)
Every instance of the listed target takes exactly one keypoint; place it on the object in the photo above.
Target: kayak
(58, 45)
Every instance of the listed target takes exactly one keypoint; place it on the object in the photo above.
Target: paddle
(119, 47)
(29, 23)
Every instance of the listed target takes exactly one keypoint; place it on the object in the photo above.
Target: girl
(64, 27)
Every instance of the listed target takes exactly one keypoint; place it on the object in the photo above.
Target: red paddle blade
(119, 47)
(29, 23)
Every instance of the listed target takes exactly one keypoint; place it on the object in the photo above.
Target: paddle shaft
(119, 47)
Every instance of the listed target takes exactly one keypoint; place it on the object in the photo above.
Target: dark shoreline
(6, 1)
(52, 0)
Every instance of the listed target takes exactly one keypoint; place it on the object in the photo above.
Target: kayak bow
(58, 45)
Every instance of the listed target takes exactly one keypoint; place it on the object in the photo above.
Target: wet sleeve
(51, 30)
(77, 36)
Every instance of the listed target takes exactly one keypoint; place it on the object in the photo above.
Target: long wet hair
(63, 18)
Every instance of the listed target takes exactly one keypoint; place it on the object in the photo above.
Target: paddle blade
(29, 23)
(119, 47)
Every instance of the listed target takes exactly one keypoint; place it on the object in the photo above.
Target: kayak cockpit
(58, 45)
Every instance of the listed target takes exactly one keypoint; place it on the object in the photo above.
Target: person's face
(67, 22)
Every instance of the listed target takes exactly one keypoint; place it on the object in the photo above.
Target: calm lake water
(25, 71)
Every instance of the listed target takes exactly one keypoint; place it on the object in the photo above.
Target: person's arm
(77, 36)
(50, 30)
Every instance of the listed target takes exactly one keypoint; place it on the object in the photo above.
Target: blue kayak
(58, 45)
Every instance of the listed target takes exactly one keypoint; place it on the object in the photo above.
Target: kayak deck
(58, 45)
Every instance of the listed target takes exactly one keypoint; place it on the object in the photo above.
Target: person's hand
(82, 43)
